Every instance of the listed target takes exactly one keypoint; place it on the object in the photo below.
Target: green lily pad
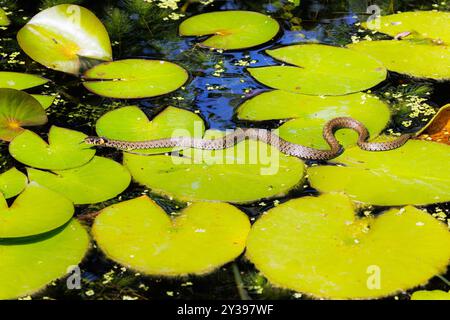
(135, 78)
(4, 21)
(231, 30)
(140, 235)
(420, 60)
(20, 81)
(407, 175)
(44, 100)
(61, 36)
(28, 266)
(19, 109)
(430, 295)
(64, 150)
(318, 245)
(312, 112)
(320, 70)
(36, 210)
(98, 180)
(12, 182)
(421, 24)
(243, 173)
(131, 124)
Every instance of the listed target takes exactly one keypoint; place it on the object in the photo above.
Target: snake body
(265, 136)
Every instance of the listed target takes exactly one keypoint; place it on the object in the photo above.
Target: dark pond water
(217, 86)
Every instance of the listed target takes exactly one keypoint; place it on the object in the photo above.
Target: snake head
(96, 141)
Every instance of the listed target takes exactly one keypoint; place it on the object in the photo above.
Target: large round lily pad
(320, 70)
(231, 29)
(420, 60)
(140, 235)
(135, 78)
(36, 210)
(422, 24)
(131, 124)
(65, 149)
(20, 81)
(416, 173)
(61, 36)
(312, 112)
(12, 182)
(29, 265)
(245, 172)
(19, 109)
(320, 247)
(98, 180)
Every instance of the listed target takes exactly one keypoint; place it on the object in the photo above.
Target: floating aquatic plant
(18, 109)
(320, 70)
(138, 234)
(98, 180)
(430, 295)
(438, 128)
(65, 149)
(231, 30)
(61, 36)
(416, 59)
(310, 113)
(36, 210)
(407, 175)
(4, 21)
(12, 182)
(20, 81)
(28, 265)
(318, 246)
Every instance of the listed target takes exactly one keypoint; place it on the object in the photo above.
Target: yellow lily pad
(135, 78)
(320, 70)
(19, 109)
(20, 81)
(61, 36)
(131, 124)
(36, 210)
(27, 266)
(44, 100)
(98, 180)
(430, 295)
(12, 182)
(140, 235)
(231, 30)
(65, 149)
(246, 172)
(4, 21)
(310, 114)
(317, 245)
(420, 60)
(422, 24)
(416, 173)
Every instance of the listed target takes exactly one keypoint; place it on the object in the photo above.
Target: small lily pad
(243, 173)
(131, 124)
(420, 60)
(36, 210)
(61, 36)
(19, 109)
(140, 235)
(422, 24)
(430, 295)
(231, 30)
(98, 180)
(12, 182)
(407, 175)
(4, 21)
(44, 100)
(320, 70)
(20, 81)
(64, 150)
(135, 78)
(312, 112)
(319, 246)
(28, 266)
